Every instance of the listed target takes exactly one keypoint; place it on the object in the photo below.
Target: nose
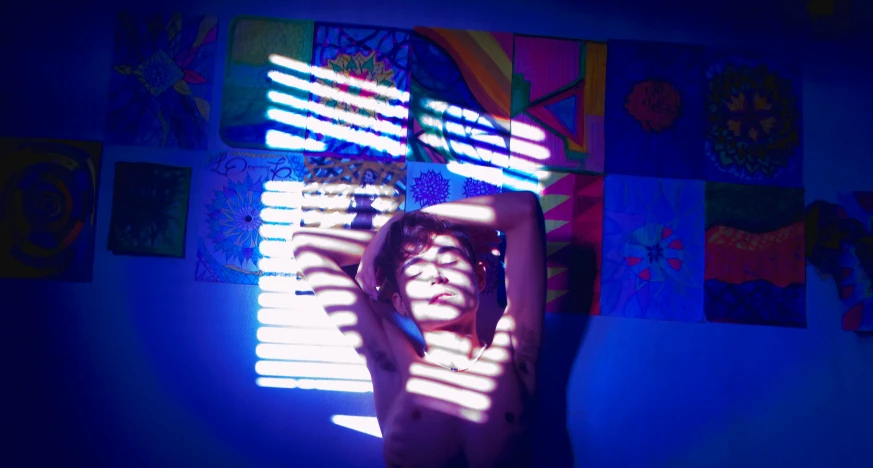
(435, 274)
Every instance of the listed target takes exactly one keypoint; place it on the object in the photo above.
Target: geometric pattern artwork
(460, 96)
(160, 89)
(48, 197)
(572, 206)
(434, 183)
(244, 102)
(558, 100)
(839, 244)
(753, 122)
(351, 193)
(655, 117)
(229, 233)
(653, 249)
(149, 209)
(358, 106)
(755, 263)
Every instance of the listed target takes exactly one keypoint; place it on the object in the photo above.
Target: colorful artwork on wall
(229, 228)
(149, 209)
(247, 81)
(160, 90)
(460, 96)
(839, 244)
(573, 211)
(753, 121)
(351, 193)
(558, 100)
(48, 200)
(435, 183)
(359, 104)
(755, 264)
(653, 249)
(655, 118)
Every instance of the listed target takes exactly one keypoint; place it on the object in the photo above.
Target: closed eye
(448, 259)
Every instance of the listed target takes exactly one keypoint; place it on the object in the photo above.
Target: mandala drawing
(161, 85)
(430, 188)
(368, 93)
(475, 187)
(460, 96)
(653, 256)
(48, 197)
(654, 124)
(839, 245)
(149, 209)
(229, 233)
(244, 99)
(434, 183)
(755, 264)
(754, 121)
(558, 100)
(351, 193)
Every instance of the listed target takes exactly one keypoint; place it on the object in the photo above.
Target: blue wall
(144, 365)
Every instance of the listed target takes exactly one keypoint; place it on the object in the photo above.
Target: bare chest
(474, 418)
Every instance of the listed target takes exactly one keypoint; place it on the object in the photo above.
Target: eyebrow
(442, 250)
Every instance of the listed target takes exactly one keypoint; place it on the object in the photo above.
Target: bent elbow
(299, 242)
(531, 200)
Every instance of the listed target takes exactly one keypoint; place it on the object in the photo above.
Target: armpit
(526, 358)
(380, 359)
(525, 353)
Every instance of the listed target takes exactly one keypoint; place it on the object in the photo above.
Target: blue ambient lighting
(300, 345)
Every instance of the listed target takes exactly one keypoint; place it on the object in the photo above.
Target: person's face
(439, 285)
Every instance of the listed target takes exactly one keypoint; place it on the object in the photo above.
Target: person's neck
(459, 332)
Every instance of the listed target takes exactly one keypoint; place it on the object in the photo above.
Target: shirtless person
(447, 393)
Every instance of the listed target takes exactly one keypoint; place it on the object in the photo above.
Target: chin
(431, 321)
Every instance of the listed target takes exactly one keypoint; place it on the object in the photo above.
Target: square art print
(755, 270)
(160, 89)
(48, 208)
(149, 209)
(558, 100)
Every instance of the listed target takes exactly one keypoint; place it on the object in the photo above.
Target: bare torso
(476, 418)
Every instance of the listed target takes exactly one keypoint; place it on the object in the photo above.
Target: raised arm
(320, 255)
(519, 215)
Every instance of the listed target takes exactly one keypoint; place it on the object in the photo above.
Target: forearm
(503, 211)
(343, 246)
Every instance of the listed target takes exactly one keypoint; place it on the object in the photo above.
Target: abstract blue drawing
(653, 249)
(160, 90)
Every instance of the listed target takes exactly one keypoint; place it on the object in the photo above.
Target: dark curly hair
(409, 236)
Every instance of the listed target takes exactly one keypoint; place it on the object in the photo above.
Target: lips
(439, 297)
